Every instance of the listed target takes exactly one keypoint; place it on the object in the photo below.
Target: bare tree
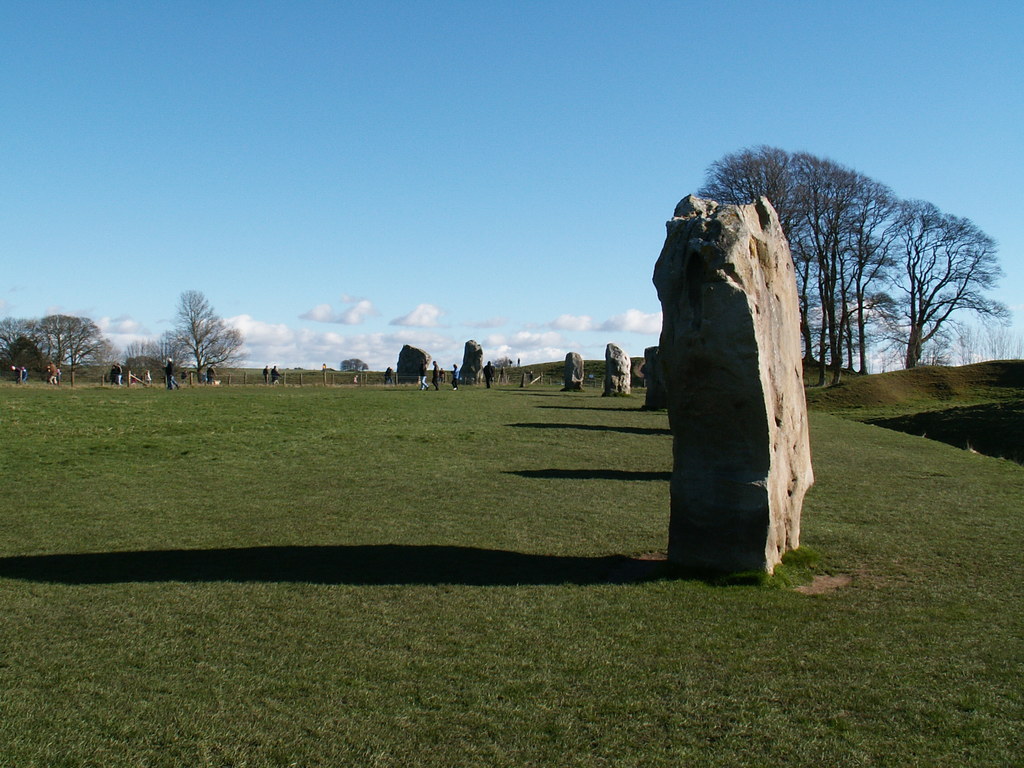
(1003, 344)
(741, 178)
(966, 344)
(825, 199)
(868, 257)
(864, 261)
(19, 343)
(144, 355)
(946, 264)
(201, 334)
(72, 341)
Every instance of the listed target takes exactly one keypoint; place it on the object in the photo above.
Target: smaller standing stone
(617, 380)
(654, 379)
(573, 372)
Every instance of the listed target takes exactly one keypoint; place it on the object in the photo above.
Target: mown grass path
(262, 577)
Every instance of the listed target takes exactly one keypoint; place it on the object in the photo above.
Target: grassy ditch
(976, 407)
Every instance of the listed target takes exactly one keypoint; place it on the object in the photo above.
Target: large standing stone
(472, 364)
(654, 381)
(617, 379)
(409, 361)
(730, 352)
(573, 372)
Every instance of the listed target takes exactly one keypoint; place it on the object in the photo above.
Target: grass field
(369, 577)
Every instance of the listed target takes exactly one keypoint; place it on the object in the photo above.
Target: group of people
(438, 375)
(20, 374)
(270, 375)
(117, 377)
(172, 383)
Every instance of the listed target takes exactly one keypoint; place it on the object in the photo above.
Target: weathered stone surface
(730, 352)
(573, 372)
(472, 371)
(654, 381)
(409, 361)
(617, 379)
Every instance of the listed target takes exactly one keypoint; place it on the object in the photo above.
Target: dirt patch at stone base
(822, 585)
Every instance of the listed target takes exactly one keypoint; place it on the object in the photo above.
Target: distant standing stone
(730, 352)
(617, 379)
(573, 372)
(472, 363)
(410, 361)
(654, 381)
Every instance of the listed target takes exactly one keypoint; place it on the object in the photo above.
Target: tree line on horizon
(872, 269)
(199, 336)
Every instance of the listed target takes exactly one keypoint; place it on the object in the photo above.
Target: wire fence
(292, 378)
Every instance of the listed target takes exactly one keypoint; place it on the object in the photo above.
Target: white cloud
(573, 323)
(282, 345)
(122, 325)
(354, 315)
(357, 313)
(123, 330)
(634, 321)
(526, 341)
(491, 322)
(424, 316)
(321, 313)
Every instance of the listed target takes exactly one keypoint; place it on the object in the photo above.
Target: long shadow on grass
(591, 408)
(591, 474)
(357, 565)
(596, 428)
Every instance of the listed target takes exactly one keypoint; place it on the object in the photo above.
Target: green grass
(328, 577)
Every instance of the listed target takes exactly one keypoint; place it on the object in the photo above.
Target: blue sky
(342, 178)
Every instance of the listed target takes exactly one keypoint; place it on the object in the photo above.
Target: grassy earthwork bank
(386, 577)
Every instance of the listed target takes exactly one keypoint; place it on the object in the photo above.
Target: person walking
(423, 375)
(274, 375)
(455, 376)
(169, 374)
(266, 375)
(488, 374)
(435, 378)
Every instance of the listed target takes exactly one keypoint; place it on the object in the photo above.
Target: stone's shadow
(994, 429)
(594, 408)
(592, 474)
(597, 428)
(384, 564)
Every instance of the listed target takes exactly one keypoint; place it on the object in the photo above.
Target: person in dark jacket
(169, 374)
